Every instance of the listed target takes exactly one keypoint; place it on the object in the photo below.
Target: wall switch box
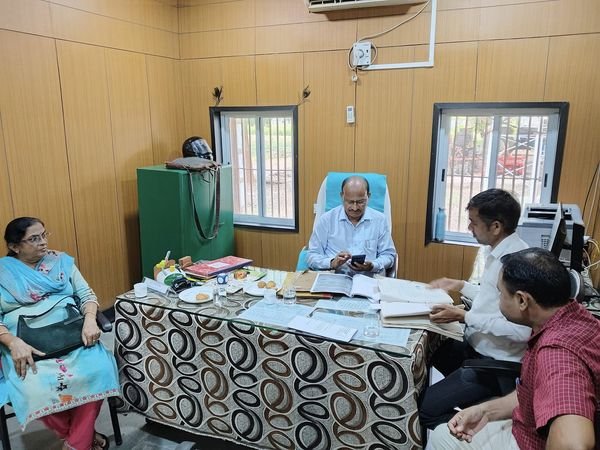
(361, 54)
(350, 114)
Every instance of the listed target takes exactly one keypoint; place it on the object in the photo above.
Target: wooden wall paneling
(383, 111)
(132, 144)
(457, 25)
(279, 81)
(199, 78)
(515, 21)
(573, 76)
(212, 44)
(574, 17)
(451, 80)
(142, 12)
(415, 31)
(340, 35)
(280, 38)
(218, 16)
(27, 16)
(166, 108)
(80, 26)
(512, 70)
(100, 238)
(6, 205)
(278, 12)
(239, 81)
(34, 140)
(329, 140)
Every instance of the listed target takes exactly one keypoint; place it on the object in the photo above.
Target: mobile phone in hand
(358, 259)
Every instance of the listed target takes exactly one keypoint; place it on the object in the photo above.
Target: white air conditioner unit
(331, 5)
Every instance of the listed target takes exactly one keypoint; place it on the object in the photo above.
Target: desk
(197, 368)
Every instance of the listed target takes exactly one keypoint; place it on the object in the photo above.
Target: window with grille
(513, 146)
(261, 145)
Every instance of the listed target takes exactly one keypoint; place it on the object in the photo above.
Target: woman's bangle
(2, 333)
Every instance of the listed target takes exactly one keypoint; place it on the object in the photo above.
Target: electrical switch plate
(350, 114)
(361, 54)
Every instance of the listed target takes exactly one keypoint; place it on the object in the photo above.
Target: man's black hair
(497, 205)
(538, 272)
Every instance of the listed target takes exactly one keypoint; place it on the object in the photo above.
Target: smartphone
(358, 259)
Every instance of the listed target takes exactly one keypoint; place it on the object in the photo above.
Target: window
(261, 145)
(513, 146)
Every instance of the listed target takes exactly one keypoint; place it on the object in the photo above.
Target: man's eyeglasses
(37, 238)
(361, 202)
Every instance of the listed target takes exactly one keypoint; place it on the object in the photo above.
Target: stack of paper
(416, 315)
(395, 290)
(407, 304)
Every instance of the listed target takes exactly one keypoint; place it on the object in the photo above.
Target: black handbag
(56, 339)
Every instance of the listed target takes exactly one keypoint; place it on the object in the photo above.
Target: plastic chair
(329, 198)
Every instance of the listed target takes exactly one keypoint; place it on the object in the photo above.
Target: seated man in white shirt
(493, 218)
(352, 229)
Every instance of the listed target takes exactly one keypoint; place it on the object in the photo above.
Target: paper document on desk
(345, 304)
(397, 337)
(395, 290)
(404, 309)
(345, 284)
(453, 330)
(321, 328)
(274, 314)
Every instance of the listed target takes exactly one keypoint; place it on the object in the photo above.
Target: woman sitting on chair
(64, 392)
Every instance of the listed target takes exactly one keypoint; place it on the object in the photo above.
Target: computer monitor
(558, 233)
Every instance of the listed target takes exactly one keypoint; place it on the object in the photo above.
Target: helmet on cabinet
(197, 146)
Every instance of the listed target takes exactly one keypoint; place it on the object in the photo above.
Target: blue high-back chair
(329, 197)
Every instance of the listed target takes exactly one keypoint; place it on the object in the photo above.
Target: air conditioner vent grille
(331, 5)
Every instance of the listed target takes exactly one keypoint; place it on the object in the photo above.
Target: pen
(167, 257)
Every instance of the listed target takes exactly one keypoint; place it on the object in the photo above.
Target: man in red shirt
(556, 402)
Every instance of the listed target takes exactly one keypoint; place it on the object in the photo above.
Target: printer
(535, 228)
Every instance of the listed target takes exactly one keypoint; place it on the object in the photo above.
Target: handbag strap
(216, 203)
(35, 316)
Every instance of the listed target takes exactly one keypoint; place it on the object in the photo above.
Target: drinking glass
(289, 296)
(270, 297)
(372, 326)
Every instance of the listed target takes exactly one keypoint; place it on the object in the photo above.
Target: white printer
(536, 226)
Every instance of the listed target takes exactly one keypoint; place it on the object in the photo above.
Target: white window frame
(442, 114)
(220, 137)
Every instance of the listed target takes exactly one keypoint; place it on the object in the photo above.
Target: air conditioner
(331, 5)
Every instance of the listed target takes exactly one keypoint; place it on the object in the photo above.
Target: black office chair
(509, 370)
(106, 326)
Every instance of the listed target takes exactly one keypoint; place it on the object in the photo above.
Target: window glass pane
(279, 167)
(513, 146)
(242, 138)
(477, 161)
(260, 144)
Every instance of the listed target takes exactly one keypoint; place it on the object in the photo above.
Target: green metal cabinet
(167, 215)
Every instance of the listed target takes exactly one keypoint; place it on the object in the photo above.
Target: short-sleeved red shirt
(560, 375)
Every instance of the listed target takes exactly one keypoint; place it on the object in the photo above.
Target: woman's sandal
(98, 439)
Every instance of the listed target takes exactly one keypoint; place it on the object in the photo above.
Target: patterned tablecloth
(196, 368)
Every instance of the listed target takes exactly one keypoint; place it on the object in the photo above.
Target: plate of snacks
(258, 288)
(198, 294)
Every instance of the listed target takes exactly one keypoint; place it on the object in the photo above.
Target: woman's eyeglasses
(37, 238)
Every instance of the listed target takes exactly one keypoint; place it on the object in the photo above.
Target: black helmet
(197, 146)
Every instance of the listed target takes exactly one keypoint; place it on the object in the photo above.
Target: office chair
(329, 198)
(106, 326)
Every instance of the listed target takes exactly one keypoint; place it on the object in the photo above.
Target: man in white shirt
(493, 218)
(352, 229)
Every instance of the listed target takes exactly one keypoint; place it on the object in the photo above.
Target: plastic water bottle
(440, 225)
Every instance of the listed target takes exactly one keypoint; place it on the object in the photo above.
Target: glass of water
(270, 297)
(289, 295)
(372, 327)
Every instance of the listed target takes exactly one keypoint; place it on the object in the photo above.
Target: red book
(209, 269)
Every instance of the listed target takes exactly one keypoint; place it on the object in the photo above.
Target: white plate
(189, 295)
(254, 290)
